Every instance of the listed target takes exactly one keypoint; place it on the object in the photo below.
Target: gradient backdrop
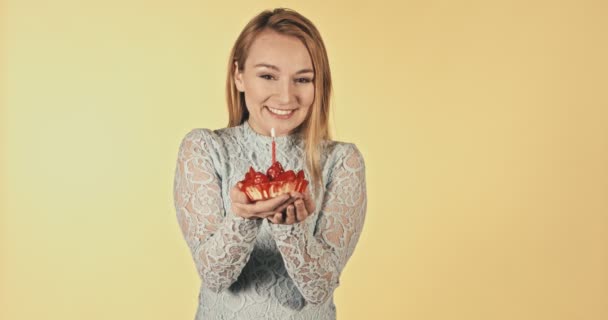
(484, 125)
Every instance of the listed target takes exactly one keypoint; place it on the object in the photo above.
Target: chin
(285, 129)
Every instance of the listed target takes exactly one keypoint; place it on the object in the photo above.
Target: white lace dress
(254, 269)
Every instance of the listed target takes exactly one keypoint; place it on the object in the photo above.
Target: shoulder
(344, 155)
(215, 134)
(200, 140)
(341, 150)
(214, 142)
(199, 136)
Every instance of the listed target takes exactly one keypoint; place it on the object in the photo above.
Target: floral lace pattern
(254, 269)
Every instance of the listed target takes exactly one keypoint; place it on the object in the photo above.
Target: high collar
(257, 138)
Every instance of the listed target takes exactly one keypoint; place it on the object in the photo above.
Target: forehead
(285, 52)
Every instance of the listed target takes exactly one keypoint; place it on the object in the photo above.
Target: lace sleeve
(220, 245)
(315, 261)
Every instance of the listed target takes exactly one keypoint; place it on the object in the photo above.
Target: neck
(264, 132)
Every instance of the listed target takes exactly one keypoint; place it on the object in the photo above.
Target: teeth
(279, 112)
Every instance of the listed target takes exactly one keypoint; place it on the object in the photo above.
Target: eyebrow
(277, 68)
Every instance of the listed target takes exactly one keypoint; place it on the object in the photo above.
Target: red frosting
(276, 181)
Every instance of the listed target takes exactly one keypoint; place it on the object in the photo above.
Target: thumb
(309, 202)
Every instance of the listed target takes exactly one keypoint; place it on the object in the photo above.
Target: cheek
(308, 95)
(256, 91)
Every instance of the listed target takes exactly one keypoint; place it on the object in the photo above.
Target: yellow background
(484, 126)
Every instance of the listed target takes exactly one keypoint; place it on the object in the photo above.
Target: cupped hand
(243, 207)
(303, 206)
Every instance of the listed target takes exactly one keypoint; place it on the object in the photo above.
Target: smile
(282, 114)
(279, 111)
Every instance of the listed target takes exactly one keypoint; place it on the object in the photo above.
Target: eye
(304, 80)
(266, 76)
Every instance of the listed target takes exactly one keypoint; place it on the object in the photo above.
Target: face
(278, 83)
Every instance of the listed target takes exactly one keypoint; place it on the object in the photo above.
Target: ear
(238, 78)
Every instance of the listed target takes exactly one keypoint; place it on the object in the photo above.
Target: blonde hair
(315, 127)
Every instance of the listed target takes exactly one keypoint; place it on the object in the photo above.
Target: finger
(271, 214)
(285, 205)
(309, 202)
(262, 205)
(295, 194)
(277, 218)
(261, 215)
(271, 219)
(291, 215)
(270, 204)
(302, 213)
(241, 210)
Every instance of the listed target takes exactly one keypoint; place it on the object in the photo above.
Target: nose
(285, 92)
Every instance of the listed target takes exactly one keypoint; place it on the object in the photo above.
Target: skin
(286, 86)
(284, 209)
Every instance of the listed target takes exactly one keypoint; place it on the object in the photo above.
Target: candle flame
(272, 132)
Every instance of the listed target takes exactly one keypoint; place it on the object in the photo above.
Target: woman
(279, 258)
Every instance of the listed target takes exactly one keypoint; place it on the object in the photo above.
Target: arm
(315, 261)
(220, 245)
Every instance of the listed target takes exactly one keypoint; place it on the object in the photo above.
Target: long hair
(315, 127)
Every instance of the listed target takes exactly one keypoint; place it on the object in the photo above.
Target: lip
(278, 116)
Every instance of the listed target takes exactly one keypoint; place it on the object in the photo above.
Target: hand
(301, 209)
(243, 207)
